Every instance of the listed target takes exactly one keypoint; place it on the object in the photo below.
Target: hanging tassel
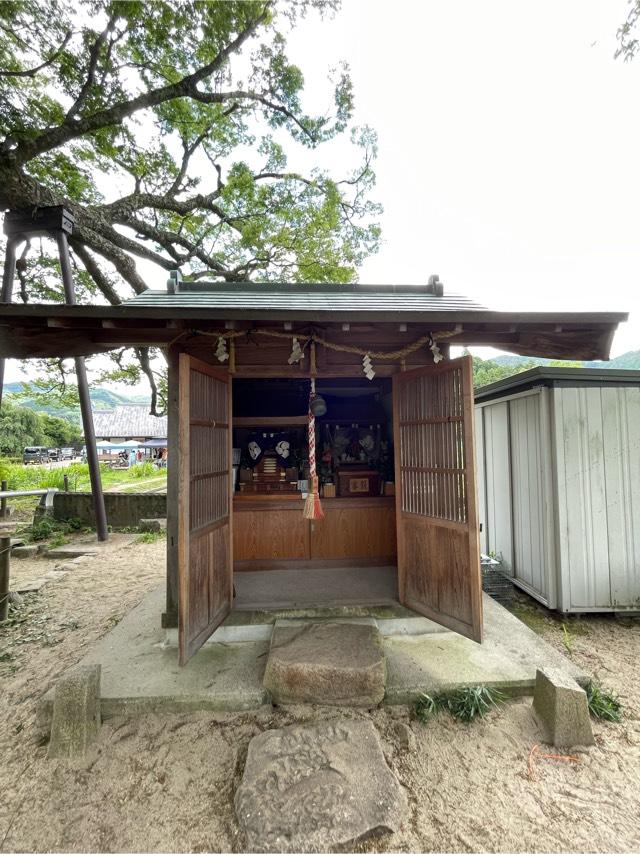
(312, 505)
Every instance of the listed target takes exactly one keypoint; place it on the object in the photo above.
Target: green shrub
(603, 704)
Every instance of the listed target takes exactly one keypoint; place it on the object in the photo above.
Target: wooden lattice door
(205, 567)
(438, 546)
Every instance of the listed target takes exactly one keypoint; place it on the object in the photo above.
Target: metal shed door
(438, 549)
(205, 567)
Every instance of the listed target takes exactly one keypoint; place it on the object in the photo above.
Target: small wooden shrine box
(355, 482)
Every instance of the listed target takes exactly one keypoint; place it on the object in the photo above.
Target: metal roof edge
(549, 376)
(465, 314)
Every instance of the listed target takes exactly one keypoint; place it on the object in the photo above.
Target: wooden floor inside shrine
(307, 588)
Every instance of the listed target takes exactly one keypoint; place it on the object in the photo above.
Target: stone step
(330, 663)
(71, 552)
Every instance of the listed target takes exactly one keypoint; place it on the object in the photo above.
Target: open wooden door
(438, 544)
(205, 566)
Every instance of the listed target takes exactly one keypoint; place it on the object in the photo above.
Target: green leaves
(168, 129)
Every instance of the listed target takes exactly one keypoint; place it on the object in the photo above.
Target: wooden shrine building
(393, 432)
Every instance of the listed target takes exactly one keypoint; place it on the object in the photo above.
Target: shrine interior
(281, 558)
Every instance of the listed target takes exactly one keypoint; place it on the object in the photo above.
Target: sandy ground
(167, 783)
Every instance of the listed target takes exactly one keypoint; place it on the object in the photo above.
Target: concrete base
(507, 659)
(140, 671)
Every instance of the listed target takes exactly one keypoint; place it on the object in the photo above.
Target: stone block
(32, 585)
(76, 716)
(156, 526)
(561, 706)
(70, 552)
(25, 551)
(335, 664)
(317, 788)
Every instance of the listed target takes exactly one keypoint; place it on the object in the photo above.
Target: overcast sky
(509, 138)
(508, 147)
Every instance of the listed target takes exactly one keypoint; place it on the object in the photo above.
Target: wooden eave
(36, 331)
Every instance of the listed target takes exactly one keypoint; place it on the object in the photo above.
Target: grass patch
(151, 536)
(602, 704)
(41, 477)
(465, 704)
(428, 706)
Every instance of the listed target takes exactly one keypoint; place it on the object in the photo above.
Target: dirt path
(167, 783)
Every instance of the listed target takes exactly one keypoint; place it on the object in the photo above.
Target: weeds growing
(151, 536)
(602, 704)
(465, 704)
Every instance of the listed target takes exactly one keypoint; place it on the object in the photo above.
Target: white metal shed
(558, 457)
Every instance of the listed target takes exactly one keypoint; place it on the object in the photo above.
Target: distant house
(129, 421)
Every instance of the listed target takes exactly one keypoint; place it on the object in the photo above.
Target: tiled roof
(303, 299)
(129, 421)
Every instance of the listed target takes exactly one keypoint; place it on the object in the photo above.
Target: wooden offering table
(270, 532)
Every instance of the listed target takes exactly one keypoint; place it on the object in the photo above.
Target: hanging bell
(318, 406)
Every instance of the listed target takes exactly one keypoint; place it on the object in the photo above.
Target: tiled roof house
(129, 421)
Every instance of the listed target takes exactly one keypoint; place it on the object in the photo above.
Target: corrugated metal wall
(560, 481)
(597, 438)
(498, 480)
(516, 489)
(530, 537)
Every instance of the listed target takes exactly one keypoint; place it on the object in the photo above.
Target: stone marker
(153, 525)
(561, 705)
(25, 551)
(336, 664)
(76, 713)
(315, 788)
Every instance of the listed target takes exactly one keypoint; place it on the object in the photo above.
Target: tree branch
(91, 266)
(142, 354)
(31, 72)
(73, 128)
(94, 56)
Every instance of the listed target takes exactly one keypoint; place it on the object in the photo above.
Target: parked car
(54, 454)
(67, 453)
(35, 454)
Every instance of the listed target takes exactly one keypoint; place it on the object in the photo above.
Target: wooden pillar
(5, 563)
(56, 222)
(85, 400)
(170, 616)
(7, 290)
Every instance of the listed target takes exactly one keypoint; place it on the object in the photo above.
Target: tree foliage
(20, 427)
(628, 43)
(167, 129)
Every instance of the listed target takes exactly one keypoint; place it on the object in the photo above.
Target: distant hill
(487, 371)
(101, 399)
(627, 361)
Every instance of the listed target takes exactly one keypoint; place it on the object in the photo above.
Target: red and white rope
(312, 433)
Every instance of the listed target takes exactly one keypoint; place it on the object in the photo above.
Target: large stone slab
(317, 788)
(76, 713)
(154, 526)
(561, 705)
(336, 664)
